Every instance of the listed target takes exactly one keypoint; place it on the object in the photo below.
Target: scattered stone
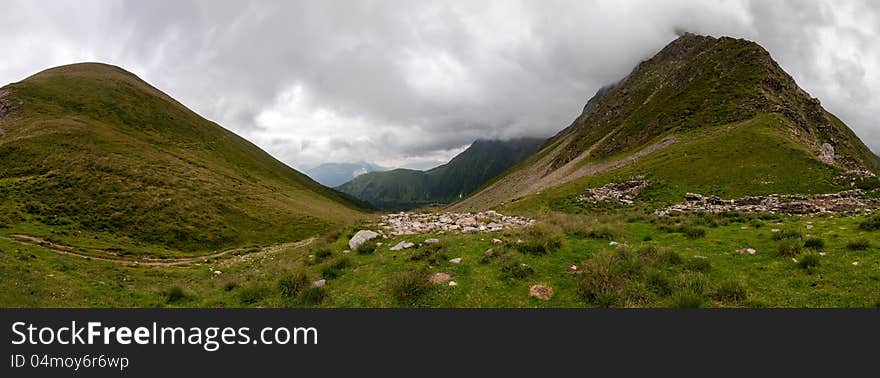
(411, 224)
(794, 260)
(456, 260)
(541, 292)
(623, 192)
(855, 263)
(346, 251)
(822, 253)
(746, 251)
(439, 278)
(361, 237)
(497, 241)
(775, 230)
(840, 202)
(402, 245)
(453, 283)
(809, 226)
(319, 283)
(432, 241)
(612, 243)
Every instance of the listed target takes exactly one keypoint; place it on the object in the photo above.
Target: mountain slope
(92, 148)
(401, 189)
(334, 174)
(695, 87)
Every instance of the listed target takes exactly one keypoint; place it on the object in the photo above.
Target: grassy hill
(92, 154)
(402, 189)
(716, 115)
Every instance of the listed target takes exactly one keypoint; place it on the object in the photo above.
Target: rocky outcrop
(841, 202)
(411, 224)
(623, 192)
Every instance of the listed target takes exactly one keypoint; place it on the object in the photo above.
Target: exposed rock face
(623, 192)
(361, 237)
(541, 292)
(846, 201)
(411, 224)
(826, 153)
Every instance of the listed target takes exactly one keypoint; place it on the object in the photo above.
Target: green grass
(96, 153)
(669, 270)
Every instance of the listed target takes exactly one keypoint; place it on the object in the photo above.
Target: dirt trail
(114, 258)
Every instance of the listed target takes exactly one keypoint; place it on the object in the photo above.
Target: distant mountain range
(335, 174)
(402, 189)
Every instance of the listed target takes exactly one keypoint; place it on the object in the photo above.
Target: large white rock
(361, 237)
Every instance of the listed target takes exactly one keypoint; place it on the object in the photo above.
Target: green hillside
(716, 115)
(402, 189)
(92, 153)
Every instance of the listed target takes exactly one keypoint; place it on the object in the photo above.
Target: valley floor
(623, 259)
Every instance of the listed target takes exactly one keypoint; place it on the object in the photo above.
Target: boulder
(319, 283)
(541, 292)
(402, 245)
(494, 226)
(467, 222)
(361, 237)
(470, 230)
(432, 241)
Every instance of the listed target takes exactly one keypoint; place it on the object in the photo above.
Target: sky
(412, 83)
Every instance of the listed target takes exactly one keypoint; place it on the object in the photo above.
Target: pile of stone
(841, 202)
(411, 223)
(623, 192)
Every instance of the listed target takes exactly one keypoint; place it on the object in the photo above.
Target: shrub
(366, 248)
(539, 240)
(814, 243)
(313, 296)
(173, 295)
(789, 248)
(408, 287)
(809, 262)
(730, 291)
(787, 234)
(291, 284)
(860, 244)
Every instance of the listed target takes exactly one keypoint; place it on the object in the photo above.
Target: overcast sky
(411, 83)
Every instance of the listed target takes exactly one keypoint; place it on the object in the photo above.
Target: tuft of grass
(731, 291)
(871, 224)
(409, 286)
(313, 296)
(366, 248)
(174, 294)
(322, 254)
(809, 262)
(687, 299)
(252, 294)
(790, 248)
(814, 243)
(539, 240)
(860, 244)
(787, 234)
(515, 270)
(336, 268)
(697, 265)
(290, 284)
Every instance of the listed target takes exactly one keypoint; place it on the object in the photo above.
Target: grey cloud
(401, 81)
